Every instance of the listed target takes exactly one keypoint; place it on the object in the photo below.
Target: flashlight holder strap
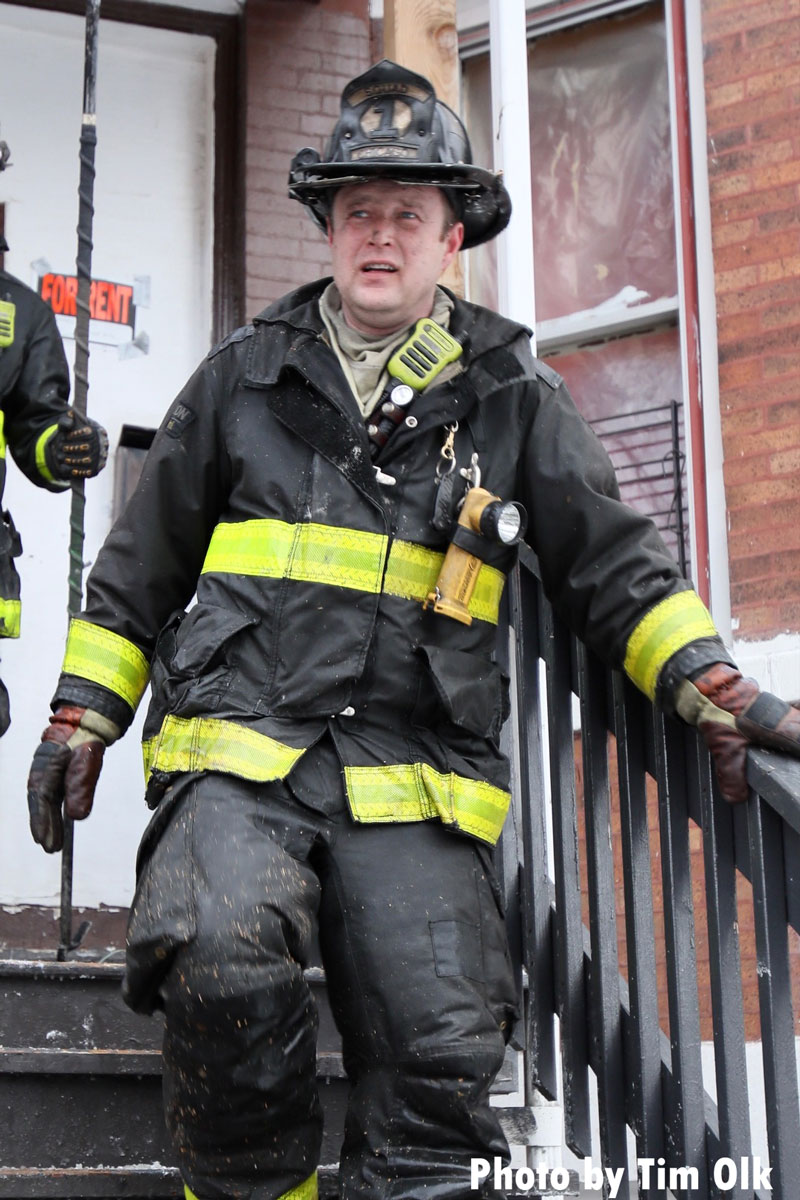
(494, 554)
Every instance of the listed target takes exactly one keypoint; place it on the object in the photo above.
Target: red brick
(785, 412)
(782, 32)
(740, 470)
(761, 344)
(734, 207)
(762, 491)
(776, 365)
(788, 461)
(776, 292)
(720, 19)
(786, 512)
(761, 442)
(737, 278)
(783, 219)
(759, 249)
(759, 154)
(737, 373)
(743, 112)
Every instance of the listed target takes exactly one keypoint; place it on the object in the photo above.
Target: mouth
(378, 266)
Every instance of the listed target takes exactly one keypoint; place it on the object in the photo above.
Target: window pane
(601, 165)
(629, 390)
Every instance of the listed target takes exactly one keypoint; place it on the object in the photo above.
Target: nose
(381, 230)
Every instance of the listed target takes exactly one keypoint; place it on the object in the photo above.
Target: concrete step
(80, 1085)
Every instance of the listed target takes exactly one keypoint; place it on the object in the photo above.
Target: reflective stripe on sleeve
(667, 628)
(41, 446)
(209, 744)
(10, 616)
(313, 553)
(103, 657)
(2, 434)
(416, 792)
(340, 557)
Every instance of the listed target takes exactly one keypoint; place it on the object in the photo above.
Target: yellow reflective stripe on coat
(667, 628)
(10, 617)
(307, 1190)
(103, 657)
(350, 558)
(41, 446)
(2, 434)
(208, 744)
(412, 571)
(340, 557)
(416, 792)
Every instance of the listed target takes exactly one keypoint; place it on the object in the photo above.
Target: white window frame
(693, 309)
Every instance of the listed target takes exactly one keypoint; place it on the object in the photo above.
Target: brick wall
(299, 57)
(752, 77)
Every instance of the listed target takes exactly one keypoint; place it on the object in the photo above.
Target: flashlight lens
(502, 522)
(508, 524)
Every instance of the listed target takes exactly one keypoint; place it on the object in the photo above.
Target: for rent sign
(107, 301)
(112, 307)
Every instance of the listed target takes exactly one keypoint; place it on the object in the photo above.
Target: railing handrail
(648, 1081)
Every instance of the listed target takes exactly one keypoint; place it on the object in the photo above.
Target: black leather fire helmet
(392, 127)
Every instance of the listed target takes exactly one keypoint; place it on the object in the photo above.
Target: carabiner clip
(447, 455)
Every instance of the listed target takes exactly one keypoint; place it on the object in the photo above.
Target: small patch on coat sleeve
(177, 420)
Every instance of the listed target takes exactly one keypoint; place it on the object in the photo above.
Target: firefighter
(49, 442)
(321, 745)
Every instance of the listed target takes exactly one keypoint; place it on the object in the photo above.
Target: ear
(452, 244)
(329, 229)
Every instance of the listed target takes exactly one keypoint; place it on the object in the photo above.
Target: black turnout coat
(310, 573)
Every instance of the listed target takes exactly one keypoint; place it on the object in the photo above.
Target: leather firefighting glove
(78, 449)
(733, 713)
(65, 770)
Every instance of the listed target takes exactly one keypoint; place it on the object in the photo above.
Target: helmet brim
(484, 202)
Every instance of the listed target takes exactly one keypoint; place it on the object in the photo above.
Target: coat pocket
(473, 692)
(194, 662)
(202, 638)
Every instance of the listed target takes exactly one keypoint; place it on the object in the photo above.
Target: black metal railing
(638, 865)
(648, 452)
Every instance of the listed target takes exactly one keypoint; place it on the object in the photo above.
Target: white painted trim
(674, 117)
(511, 130)
(610, 319)
(719, 571)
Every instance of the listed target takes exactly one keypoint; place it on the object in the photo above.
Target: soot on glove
(733, 713)
(65, 770)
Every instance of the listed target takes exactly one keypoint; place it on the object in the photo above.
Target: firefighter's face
(390, 244)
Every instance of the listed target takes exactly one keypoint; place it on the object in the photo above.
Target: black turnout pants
(234, 878)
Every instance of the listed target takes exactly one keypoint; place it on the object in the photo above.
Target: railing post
(775, 998)
(605, 1015)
